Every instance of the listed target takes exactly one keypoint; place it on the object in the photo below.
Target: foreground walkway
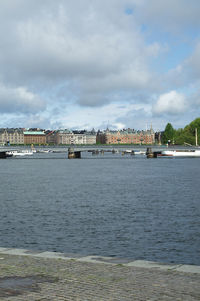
(45, 276)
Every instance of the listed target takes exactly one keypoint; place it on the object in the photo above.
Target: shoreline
(186, 268)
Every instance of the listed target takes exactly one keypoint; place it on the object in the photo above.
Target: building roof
(34, 133)
(11, 130)
(64, 131)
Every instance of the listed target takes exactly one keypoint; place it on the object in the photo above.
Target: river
(108, 205)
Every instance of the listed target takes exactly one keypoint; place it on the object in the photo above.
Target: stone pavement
(49, 276)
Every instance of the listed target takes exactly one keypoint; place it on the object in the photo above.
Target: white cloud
(118, 126)
(114, 115)
(171, 103)
(88, 59)
(19, 100)
(97, 46)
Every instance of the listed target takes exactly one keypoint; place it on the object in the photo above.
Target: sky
(96, 63)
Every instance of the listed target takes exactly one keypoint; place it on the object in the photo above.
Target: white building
(68, 137)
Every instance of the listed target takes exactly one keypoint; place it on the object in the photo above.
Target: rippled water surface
(111, 205)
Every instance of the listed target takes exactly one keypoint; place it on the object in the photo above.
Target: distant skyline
(96, 63)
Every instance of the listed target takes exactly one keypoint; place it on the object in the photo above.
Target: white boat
(27, 152)
(43, 151)
(128, 151)
(134, 152)
(181, 153)
(19, 153)
(139, 152)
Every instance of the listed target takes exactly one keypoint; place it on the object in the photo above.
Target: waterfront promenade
(44, 276)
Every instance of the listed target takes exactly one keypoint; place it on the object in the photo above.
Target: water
(111, 205)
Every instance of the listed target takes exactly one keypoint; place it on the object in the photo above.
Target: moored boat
(19, 153)
(139, 152)
(181, 153)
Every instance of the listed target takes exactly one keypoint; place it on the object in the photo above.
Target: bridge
(76, 153)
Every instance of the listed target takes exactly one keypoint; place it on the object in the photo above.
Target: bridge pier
(151, 154)
(73, 154)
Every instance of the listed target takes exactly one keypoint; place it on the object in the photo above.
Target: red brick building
(126, 137)
(34, 137)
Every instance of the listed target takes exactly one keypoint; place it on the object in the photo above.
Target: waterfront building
(64, 137)
(127, 136)
(11, 136)
(34, 137)
(50, 137)
(91, 138)
(67, 137)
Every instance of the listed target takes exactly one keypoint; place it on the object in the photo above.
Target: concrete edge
(184, 268)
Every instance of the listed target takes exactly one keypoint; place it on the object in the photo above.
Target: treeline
(182, 136)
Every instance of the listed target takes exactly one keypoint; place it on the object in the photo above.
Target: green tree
(179, 137)
(169, 134)
(189, 130)
(184, 136)
(187, 135)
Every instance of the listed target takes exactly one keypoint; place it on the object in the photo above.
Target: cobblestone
(34, 278)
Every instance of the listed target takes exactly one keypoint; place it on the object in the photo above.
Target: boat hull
(19, 153)
(181, 153)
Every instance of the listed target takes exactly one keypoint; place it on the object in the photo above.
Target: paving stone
(55, 278)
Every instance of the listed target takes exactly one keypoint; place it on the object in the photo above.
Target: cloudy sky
(97, 63)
